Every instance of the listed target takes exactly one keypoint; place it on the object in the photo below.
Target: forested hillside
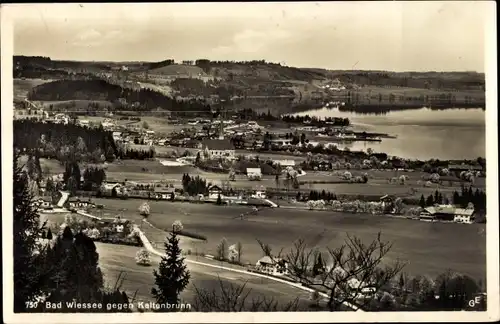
(143, 99)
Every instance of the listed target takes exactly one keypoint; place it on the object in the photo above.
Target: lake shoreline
(425, 133)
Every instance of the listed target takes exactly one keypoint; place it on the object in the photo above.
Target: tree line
(463, 199)
(99, 89)
(194, 185)
(316, 195)
(332, 121)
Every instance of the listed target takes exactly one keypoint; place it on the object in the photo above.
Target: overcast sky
(411, 36)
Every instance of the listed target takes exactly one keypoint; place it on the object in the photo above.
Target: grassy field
(428, 248)
(74, 105)
(136, 170)
(116, 259)
(22, 87)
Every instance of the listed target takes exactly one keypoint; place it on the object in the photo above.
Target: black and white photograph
(250, 162)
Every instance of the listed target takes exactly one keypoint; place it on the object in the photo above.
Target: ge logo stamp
(477, 303)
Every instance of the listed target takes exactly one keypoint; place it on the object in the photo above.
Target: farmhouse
(464, 215)
(214, 192)
(448, 213)
(274, 266)
(218, 148)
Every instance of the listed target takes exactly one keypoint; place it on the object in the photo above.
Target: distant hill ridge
(260, 71)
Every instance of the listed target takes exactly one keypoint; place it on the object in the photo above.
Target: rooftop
(464, 212)
(450, 210)
(217, 144)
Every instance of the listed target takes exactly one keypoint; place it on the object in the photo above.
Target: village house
(274, 266)
(387, 200)
(113, 190)
(32, 113)
(76, 203)
(43, 203)
(214, 192)
(254, 173)
(164, 193)
(83, 122)
(259, 193)
(282, 141)
(354, 283)
(107, 124)
(117, 136)
(218, 148)
(61, 119)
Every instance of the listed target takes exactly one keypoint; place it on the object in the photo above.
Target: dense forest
(58, 140)
(102, 90)
(71, 142)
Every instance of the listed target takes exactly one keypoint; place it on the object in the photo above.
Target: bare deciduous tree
(222, 250)
(239, 249)
(236, 298)
(353, 271)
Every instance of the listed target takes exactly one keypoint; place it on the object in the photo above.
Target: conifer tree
(422, 201)
(172, 276)
(28, 253)
(49, 234)
(429, 201)
(318, 266)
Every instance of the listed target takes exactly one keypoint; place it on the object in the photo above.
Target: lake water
(421, 133)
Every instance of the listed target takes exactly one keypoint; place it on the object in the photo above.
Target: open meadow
(422, 245)
(23, 86)
(64, 106)
(378, 183)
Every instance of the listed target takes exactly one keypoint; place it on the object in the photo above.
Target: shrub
(143, 258)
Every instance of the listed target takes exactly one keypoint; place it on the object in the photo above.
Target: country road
(114, 259)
